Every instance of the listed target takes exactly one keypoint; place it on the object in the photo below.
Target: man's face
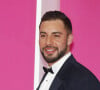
(53, 40)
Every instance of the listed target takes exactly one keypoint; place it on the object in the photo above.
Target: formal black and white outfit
(68, 74)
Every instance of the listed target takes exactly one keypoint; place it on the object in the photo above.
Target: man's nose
(49, 40)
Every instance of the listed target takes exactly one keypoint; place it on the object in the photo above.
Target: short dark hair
(54, 15)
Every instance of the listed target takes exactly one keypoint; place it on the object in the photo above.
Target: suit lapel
(62, 74)
(56, 84)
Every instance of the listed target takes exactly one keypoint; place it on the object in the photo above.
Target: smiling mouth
(50, 50)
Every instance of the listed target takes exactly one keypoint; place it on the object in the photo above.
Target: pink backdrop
(85, 17)
(17, 28)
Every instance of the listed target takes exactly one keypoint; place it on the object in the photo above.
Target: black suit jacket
(74, 76)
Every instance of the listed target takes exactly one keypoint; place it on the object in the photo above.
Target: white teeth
(49, 50)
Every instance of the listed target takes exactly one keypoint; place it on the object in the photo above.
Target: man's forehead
(53, 26)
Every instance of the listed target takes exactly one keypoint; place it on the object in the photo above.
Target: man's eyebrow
(42, 32)
(56, 33)
(52, 33)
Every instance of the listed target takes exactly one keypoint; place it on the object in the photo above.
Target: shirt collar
(56, 66)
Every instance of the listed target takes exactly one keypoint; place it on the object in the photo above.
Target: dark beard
(52, 60)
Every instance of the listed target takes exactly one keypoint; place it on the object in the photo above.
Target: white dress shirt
(50, 77)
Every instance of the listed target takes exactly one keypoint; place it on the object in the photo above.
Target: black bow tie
(46, 70)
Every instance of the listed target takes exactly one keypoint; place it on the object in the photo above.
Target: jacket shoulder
(78, 76)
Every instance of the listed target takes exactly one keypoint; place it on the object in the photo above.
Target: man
(66, 73)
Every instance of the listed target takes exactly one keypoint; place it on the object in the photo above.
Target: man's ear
(70, 39)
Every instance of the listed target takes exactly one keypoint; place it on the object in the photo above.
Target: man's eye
(57, 35)
(43, 35)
